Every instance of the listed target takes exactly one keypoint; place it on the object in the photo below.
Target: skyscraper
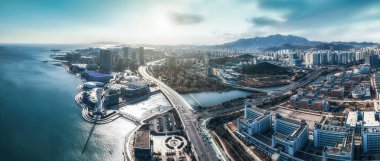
(126, 57)
(171, 61)
(208, 69)
(141, 56)
(105, 61)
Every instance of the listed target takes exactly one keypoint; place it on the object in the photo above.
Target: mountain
(321, 46)
(278, 41)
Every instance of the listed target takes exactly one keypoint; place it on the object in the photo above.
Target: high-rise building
(126, 57)
(133, 54)
(208, 69)
(315, 59)
(372, 60)
(105, 61)
(171, 61)
(141, 56)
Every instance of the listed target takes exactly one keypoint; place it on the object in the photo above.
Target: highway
(203, 149)
(308, 78)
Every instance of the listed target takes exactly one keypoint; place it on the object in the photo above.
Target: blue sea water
(39, 119)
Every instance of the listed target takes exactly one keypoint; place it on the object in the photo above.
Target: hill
(265, 68)
(266, 42)
(278, 41)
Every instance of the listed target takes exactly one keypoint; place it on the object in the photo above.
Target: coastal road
(203, 149)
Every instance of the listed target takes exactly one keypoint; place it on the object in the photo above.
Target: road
(308, 78)
(203, 149)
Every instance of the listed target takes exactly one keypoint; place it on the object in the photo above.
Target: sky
(192, 22)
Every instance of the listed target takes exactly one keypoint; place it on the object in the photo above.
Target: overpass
(310, 77)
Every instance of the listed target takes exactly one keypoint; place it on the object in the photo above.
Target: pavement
(203, 149)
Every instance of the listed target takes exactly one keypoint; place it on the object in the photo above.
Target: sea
(39, 119)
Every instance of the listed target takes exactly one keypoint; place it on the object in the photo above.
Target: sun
(162, 23)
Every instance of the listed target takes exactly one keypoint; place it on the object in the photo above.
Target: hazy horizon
(185, 22)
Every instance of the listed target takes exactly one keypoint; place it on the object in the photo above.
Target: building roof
(352, 118)
(97, 74)
(341, 148)
(371, 130)
(142, 140)
(370, 118)
(331, 128)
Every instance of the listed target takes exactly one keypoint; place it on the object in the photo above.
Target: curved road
(203, 149)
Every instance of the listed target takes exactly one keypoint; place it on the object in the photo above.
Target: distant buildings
(208, 69)
(362, 91)
(171, 61)
(141, 56)
(126, 58)
(105, 61)
(372, 60)
(73, 56)
(314, 58)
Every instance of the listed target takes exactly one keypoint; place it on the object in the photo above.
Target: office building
(367, 124)
(371, 139)
(290, 135)
(105, 61)
(337, 142)
(255, 120)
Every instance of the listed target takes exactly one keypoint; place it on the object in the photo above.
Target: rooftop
(342, 147)
(370, 118)
(331, 128)
(351, 119)
(371, 130)
(278, 116)
(97, 74)
(142, 140)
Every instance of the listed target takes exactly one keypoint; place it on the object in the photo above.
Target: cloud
(186, 19)
(263, 21)
(321, 11)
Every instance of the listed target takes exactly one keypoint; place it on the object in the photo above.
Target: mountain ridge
(288, 42)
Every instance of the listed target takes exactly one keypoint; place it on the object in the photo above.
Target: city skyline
(185, 22)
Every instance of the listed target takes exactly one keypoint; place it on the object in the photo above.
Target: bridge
(202, 149)
(310, 77)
